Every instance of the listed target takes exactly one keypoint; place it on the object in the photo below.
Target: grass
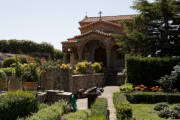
(146, 112)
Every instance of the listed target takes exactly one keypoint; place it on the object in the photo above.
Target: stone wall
(87, 81)
(56, 79)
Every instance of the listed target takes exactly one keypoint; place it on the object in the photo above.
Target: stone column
(80, 55)
(65, 57)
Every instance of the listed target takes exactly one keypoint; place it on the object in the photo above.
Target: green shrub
(3, 75)
(30, 73)
(128, 87)
(122, 106)
(9, 71)
(97, 67)
(168, 82)
(42, 106)
(168, 113)
(15, 104)
(78, 115)
(147, 71)
(26, 46)
(8, 62)
(53, 112)
(160, 106)
(97, 117)
(118, 98)
(99, 107)
(58, 54)
(123, 111)
(152, 97)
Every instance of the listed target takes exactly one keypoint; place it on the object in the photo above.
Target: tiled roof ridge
(74, 39)
(98, 22)
(103, 17)
(94, 31)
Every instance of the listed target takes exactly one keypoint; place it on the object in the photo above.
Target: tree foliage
(155, 31)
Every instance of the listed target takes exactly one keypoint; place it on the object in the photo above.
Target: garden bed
(146, 112)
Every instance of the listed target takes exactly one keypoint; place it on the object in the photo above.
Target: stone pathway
(108, 93)
(82, 104)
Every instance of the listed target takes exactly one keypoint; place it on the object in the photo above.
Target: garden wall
(87, 81)
(58, 79)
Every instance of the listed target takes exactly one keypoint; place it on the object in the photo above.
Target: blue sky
(52, 21)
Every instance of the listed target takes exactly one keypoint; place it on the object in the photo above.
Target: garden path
(108, 93)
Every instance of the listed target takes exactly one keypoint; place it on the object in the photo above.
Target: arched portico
(94, 51)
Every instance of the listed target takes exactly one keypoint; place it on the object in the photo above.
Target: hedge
(53, 112)
(122, 106)
(97, 117)
(78, 115)
(152, 97)
(27, 46)
(147, 71)
(19, 103)
(100, 107)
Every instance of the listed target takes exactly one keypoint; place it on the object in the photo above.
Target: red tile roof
(100, 21)
(96, 32)
(108, 18)
(74, 39)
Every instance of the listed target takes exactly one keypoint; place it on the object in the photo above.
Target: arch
(100, 55)
(94, 51)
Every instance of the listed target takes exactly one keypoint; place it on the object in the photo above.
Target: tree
(155, 31)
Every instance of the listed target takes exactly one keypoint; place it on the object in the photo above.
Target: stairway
(110, 77)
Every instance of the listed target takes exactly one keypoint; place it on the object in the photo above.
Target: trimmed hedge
(152, 97)
(15, 104)
(28, 47)
(122, 106)
(97, 117)
(100, 107)
(148, 70)
(25, 46)
(78, 115)
(53, 112)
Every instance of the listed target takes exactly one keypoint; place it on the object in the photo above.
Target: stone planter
(30, 86)
(14, 84)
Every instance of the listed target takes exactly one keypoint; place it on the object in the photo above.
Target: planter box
(30, 86)
(14, 84)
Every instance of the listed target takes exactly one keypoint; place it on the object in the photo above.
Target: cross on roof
(100, 14)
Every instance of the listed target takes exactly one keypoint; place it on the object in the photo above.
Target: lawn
(146, 112)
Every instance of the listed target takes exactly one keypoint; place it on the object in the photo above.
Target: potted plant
(2, 79)
(30, 76)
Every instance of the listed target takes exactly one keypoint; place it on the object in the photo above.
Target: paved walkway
(82, 104)
(108, 93)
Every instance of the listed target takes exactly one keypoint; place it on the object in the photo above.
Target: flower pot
(14, 84)
(30, 86)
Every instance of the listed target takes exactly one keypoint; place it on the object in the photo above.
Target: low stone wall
(56, 79)
(87, 81)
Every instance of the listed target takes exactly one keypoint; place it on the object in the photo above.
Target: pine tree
(155, 31)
